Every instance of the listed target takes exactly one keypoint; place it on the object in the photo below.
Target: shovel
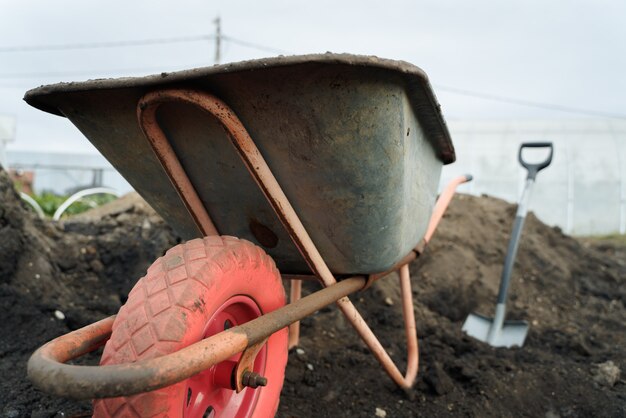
(497, 332)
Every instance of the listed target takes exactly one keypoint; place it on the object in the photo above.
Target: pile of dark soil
(573, 295)
(58, 277)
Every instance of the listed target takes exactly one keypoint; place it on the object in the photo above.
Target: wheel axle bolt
(253, 379)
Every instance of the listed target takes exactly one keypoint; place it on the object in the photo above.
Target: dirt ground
(56, 277)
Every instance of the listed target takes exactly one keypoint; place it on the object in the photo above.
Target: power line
(99, 72)
(529, 103)
(138, 42)
(109, 44)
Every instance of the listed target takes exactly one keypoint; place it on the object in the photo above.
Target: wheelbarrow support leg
(372, 342)
(410, 329)
(295, 292)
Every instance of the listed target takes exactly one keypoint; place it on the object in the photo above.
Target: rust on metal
(146, 113)
(253, 380)
(47, 371)
(249, 153)
(246, 365)
(295, 293)
(85, 340)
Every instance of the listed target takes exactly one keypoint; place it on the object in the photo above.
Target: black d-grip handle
(533, 169)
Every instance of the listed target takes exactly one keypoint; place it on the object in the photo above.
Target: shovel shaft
(511, 252)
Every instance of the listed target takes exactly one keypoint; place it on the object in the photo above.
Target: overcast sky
(569, 53)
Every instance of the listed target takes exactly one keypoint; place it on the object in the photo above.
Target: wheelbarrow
(341, 157)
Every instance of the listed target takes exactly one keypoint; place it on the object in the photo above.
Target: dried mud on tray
(59, 277)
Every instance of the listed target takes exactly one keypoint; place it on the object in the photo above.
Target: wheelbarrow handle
(442, 204)
(535, 168)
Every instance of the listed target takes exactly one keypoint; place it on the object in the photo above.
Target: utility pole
(218, 38)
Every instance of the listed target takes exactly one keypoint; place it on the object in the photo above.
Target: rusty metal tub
(357, 144)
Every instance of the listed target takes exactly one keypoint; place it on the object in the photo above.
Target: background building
(7, 134)
(584, 189)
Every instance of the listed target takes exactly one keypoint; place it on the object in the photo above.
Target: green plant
(50, 202)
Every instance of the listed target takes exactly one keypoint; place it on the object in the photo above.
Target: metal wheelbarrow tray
(356, 143)
(341, 161)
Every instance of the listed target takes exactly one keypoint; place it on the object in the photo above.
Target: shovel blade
(485, 329)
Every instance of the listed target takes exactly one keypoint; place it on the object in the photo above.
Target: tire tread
(136, 336)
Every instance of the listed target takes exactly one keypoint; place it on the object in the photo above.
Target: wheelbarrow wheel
(195, 290)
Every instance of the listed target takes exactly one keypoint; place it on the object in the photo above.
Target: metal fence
(66, 173)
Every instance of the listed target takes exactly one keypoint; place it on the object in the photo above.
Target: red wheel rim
(206, 397)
